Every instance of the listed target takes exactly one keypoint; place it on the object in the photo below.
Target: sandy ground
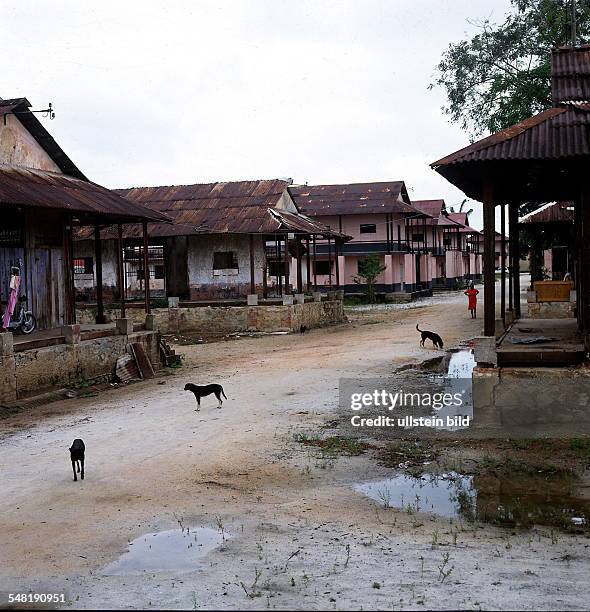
(301, 537)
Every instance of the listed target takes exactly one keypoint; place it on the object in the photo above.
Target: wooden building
(43, 195)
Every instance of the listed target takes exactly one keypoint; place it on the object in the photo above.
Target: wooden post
(146, 269)
(300, 288)
(98, 260)
(308, 258)
(315, 277)
(503, 262)
(286, 262)
(252, 281)
(120, 270)
(70, 290)
(515, 257)
(337, 262)
(489, 272)
(584, 264)
(330, 260)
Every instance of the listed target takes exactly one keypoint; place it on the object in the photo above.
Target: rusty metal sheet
(353, 198)
(41, 189)
(570, 74)
(559, 212)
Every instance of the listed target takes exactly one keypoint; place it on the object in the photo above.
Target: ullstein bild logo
(403, 401)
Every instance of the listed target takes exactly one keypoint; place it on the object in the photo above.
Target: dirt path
(300, 536)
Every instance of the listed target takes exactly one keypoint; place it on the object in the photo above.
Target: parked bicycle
(22, 319)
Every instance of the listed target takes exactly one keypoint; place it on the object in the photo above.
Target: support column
(120, 271)
(315, 276)
(489, 272)
(252, 280)
(584, 266)
(330, 260)
(286, 264)
(300, 288)
(515, 257)
(146, 270)
(503, 262)
(70, 289)
(98, 261)
(337, 263)
(308, 259)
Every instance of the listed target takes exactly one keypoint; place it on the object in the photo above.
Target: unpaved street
(298, 536)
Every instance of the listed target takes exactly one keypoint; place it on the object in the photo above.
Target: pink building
(381, 220)
(456, 246)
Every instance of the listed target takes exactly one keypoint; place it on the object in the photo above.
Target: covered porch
(542, 159)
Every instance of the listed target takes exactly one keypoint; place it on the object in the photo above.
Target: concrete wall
(19, 148)
(37, 370)
(214, 320)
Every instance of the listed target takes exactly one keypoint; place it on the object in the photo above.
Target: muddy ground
(298, 535)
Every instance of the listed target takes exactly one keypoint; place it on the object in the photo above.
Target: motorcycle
(22, 319)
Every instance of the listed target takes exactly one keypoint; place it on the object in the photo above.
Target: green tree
(501, 75)
(369, 269)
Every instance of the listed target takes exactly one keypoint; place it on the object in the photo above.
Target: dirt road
(297, 535)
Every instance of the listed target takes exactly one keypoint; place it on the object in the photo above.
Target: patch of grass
(412, 452)
(334, 444)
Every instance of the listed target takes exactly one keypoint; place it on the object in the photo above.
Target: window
(275, 268)
(418, 237)
(368, 228)
(322, 268)
(84, 265)
(447, 241)
(158, 271)
(225, 260)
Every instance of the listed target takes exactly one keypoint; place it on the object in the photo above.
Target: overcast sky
(157, 93)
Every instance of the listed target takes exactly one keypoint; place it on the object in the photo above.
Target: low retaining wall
(215, 320)
(540, 307)
(62, 365)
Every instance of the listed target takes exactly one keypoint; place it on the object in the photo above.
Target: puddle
(511, 501)
(444, 495)
(176, 550)
(461, 364)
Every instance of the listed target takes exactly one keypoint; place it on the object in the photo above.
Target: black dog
(303, 329)
(203, 390)
(428, 335)
(77, 456)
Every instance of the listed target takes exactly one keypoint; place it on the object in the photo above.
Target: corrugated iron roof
(559, 212)
(27, 187)
(570, 74)
(353, 198)
(432, 207)
(239, 207)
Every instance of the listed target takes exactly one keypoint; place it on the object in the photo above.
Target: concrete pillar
(341, 270)
(124, 326)
(299, 298)
(287, 300)
(484, 351)
(7, 369)
(173, 302)
(317, 296)
(6, 344)
(71, 334)
(252, 300)
(388, 272)
(150, 322)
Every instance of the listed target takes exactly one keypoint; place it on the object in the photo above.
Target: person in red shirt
(471, 293)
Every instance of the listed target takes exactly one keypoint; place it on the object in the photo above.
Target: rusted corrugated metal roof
(552, 134)
(559, 212)
(240, 207)
(432, 207)
(570, 74)
(27, 187)
(353, 199)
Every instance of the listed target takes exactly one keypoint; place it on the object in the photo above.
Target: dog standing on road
(77, 456)
(428, 335)
(203, 390)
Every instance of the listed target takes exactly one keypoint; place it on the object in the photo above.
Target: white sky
(156, 93)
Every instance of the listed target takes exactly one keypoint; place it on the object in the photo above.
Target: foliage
(369, 269)
(501, 75)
